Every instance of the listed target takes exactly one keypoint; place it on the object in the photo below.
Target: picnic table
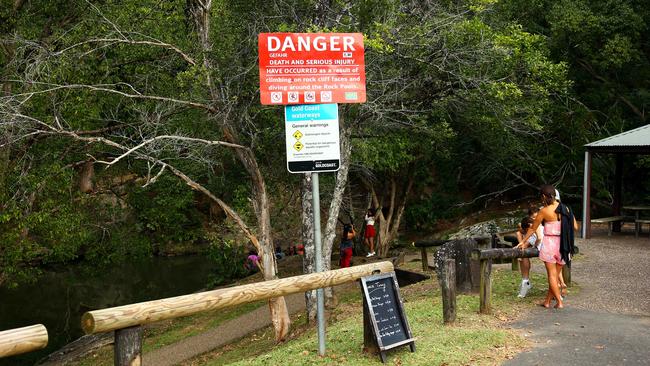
(637, 216)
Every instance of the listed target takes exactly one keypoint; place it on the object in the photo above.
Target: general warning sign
(311, 68)
(312, 138)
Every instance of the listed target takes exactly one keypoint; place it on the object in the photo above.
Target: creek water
(61, 296)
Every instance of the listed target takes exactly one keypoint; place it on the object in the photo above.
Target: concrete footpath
(608, 321)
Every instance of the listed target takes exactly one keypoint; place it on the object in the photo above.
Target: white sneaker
(524, 288)
(370, 254)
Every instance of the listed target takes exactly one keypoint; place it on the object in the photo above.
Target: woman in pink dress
(550, 249)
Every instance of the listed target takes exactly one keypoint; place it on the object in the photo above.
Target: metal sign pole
(320, 300)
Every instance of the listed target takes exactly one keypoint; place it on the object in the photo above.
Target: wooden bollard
(448, 285)
(515, 265)
(22, 340)
(566, 274)
(128, 346)
(513, 242)
(485, 291)
(485, 257)
(425, 259)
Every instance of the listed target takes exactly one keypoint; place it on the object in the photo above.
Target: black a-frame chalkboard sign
(384, 320)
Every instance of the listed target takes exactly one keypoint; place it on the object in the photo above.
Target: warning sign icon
(298, 146)
(297, 135)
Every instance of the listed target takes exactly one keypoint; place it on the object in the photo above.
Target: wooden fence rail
(126, 320)
(22, 340)
(423, 245)
(486, 256)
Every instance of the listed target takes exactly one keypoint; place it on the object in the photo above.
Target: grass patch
(474, 339)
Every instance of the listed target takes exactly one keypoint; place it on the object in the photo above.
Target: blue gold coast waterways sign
(312, 138)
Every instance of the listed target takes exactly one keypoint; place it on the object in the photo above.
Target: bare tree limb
(104, 88)
(176, 138)
(156, 43)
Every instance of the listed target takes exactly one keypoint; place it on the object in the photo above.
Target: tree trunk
(389, 224)
(4, 170)
(200, 12)
(86, 177)
(308, 262)
(279, 312)
(397, 219)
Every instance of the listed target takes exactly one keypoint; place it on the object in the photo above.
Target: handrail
(504, 253)
(22, 340)
(430, 243)
(120, 317)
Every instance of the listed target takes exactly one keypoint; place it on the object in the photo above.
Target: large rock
(460, 250)
(487, 228)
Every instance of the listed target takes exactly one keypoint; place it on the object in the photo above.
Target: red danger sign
(310, 68)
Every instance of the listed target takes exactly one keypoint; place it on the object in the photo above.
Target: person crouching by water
(369, 233)
(533, 241)
(557, 244)
(346, 246)
(252, 263)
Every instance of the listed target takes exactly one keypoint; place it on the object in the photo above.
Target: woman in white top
(533, 241)
(369, 235)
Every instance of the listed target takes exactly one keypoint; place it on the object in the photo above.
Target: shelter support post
(618, 183)
(586, 197)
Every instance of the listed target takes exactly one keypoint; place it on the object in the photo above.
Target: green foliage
(38, 229)
(603, 46)
(473, 96)
(165, 211)
(120, 244)
(228, 257)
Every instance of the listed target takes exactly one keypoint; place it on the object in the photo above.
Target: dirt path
(607, 322)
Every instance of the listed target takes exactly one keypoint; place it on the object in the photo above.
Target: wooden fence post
(486, 287)
(448, 284)
(566, 274)
(128, 346)
(515, 265)
(425, 259)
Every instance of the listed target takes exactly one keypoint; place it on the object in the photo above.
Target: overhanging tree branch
(105, 89)
(110, 41)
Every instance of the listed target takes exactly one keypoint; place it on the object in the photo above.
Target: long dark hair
(347, 228)
(526, 222)
(548, 194)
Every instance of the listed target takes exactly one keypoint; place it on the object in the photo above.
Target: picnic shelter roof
(636, 141)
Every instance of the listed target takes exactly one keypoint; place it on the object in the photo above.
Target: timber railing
(22, 340)
(127, 320)
(483, 242)
(485, 256)
(423, 245)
